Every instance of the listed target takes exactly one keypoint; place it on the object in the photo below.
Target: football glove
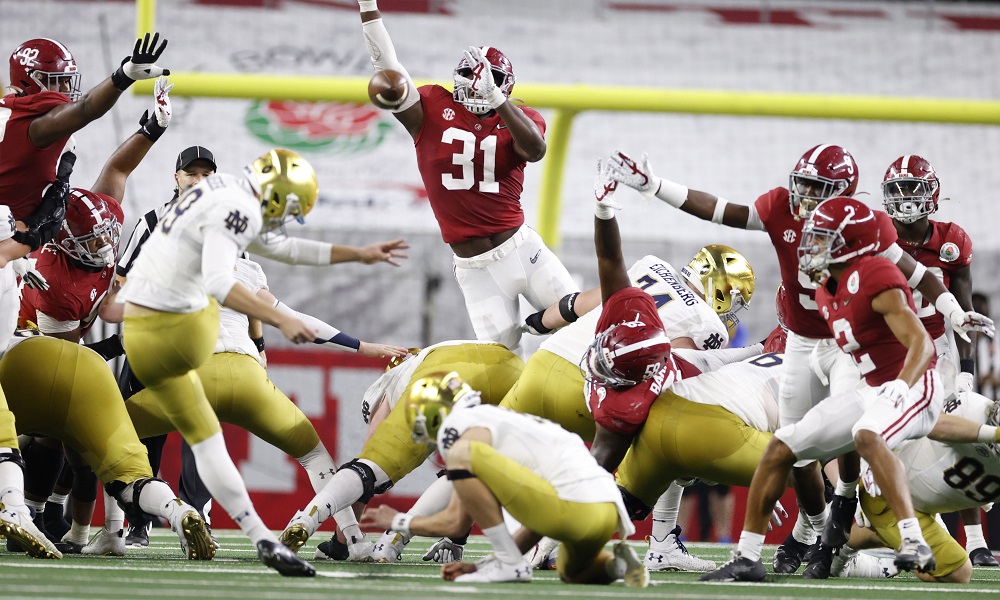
(894, 392)
(964, 322)
(25, 269)
(777, 514)
(482, 82)
(637, 175)
(445, 551)
(141, 64)
(964, 383)
(868, 480)
(604, 192)
(47, 220)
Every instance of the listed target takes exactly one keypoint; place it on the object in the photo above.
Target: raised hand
(962, 323)
(482, 82)
(142, 63)
(636, 175)
(604, 192)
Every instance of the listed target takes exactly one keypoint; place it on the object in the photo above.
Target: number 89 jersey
(949, 477)
(470, 170)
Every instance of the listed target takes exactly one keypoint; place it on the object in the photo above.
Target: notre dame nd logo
(449, 438)
(237, 222)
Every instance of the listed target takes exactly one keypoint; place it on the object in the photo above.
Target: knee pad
(367, 476)
(13, 455)
(636, 508)
(129, 502)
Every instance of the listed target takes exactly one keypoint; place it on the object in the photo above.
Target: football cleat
(492, 570)
(670, 554)
(983, 557)
(389, 547)
(283, 560)
(106, 543)
(848, 563)
(739, 568)
(298, 530)
(838, 525)
(332, 549)
(542, 555)
(69, 547)
(914, 554)
(360, 549)
(196, 542)
(789, 555)
(821, 562)
(18, 527)
(635, 574)
(138, 537)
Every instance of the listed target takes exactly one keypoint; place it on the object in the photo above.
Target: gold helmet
(725, 277)
(395, 361)
(286, 185)
(431, 399)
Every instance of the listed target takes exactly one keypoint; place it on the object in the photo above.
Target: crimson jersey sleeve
(878, 276)
(26, 169)
(769, 201)
(629, 304)
(957, 246)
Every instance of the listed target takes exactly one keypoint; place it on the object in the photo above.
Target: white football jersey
(551, 452)
(949, 477)
(167, 275)
(10, 293)
(748, 389)
(234, 326)
(683, 312)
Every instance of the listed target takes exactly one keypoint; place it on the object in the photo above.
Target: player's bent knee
(460, 457)
(962, 574)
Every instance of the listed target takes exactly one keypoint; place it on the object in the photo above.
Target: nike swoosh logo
(501, 127)
(534, 258)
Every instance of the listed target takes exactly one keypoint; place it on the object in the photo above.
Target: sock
(114, 516)
(158, 499)
(803, 530)
(319, 466)
(348, 523)
(11, 484)
(58, 499)
(974, 537)
(343, 490)
(37, 505)
(78, 534)
(225, 484)
(665, 512)
(434, 499)
(847, 489)
(818, 522)
(910, 529)
(503, 544)
(750, 545)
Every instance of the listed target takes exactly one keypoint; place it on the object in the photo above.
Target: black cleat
(332, 549)
(283, 560)
(739, 568)
(838, 526)
(913, 554)
(788, 558)
(138, 537)
(983, 557)
(820, 562)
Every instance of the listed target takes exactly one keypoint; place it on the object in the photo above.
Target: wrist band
(604, 212)
(987, 434)
(720, 210)
(259, 342)
(120, 79)
(401, 523)
(672, 193)
(967, 365)
(946, 303)
(368, 5)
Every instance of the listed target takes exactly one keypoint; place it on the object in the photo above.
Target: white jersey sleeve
(713, 360)
(683, 312)
(748, 389)
(10, 293)
(168, 274)
(548, 450)
(294, 251)
(234, 326)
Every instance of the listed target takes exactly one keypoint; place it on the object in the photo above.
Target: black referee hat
(189, 155)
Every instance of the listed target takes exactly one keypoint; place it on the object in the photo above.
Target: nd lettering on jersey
(236, 222)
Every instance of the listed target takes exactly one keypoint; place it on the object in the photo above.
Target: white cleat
(17, 525)
(862, 565)
(298, 531)
(106, 543)
(634, 572)
(491, 570)
(389, 547)
(360, 549)
(669, 554)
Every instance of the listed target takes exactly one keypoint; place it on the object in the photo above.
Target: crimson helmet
(823, 172)
(910, 189)
(44, 64)
(627, 354)
(838, 230)
(92, 228)
(503, 75)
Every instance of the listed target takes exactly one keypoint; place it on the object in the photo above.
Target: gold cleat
(21, 530)
(636, 574)
(199, 545)
(294, 537)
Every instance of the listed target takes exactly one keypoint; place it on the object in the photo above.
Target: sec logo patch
(949, 252)
(788, 236)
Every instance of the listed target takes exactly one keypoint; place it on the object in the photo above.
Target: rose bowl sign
(310, 126)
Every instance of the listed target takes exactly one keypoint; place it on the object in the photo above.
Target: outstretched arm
(610, 263)
(927, 283)
(383, 54)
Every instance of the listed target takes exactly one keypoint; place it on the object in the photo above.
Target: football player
(910, 194)
(390, 453)
(172, 318)
(814, 367)
(543, 475)
(472, 145)
(867, 304)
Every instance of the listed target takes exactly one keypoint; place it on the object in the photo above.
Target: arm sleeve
(218, 258)
(754, 222)
(327, 335)
(293, 251)
(383, 55)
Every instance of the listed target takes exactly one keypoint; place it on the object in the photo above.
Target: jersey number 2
(464, 159)
(842, 328)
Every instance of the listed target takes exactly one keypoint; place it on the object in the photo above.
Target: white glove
(539, 555)
(861, 518)
(141, 64)
(776, 515)
(604, 192)
(894, 392)
(25, 269)
(868, 480)
(161, 100)
(638, 176)
(964, 382)
(482, 82)
(963, 322)
(445, 551)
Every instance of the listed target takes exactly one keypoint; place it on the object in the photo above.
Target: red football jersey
(25, 169)
(847, 307)
(785, 230)
(469, 167)
(948, 250)
(74, 294)
(624, 411)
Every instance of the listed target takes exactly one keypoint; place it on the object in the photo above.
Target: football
(388, 89)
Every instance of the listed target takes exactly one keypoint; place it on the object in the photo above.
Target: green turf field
(160, 571)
